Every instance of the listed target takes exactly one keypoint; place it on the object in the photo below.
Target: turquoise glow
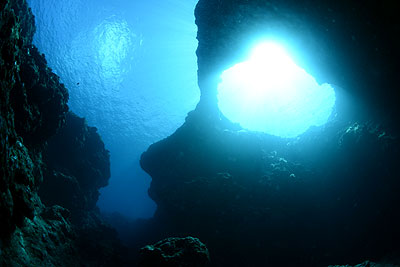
(271, 94)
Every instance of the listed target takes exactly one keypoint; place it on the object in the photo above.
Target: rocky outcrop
(31, 234)
(26, 120)
(44, 147)
(77, 166)
(175, 251)
(45, 240)
(255, 199)
(327, 196)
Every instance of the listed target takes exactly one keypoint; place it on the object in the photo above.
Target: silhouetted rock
(330, 195)
(350, 44)
(255, 198)
(175, 251)
(77, 166)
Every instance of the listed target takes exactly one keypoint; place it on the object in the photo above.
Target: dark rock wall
(327, 197)
(77, 166)
(52, 163)
(257, 200)
(26, 120)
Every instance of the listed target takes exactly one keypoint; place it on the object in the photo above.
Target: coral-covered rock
(174, 251)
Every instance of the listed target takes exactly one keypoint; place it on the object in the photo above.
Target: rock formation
(186, 251)
(26, 119)
(77, 166)
(52, 163)
(255, 199)
(327, 197)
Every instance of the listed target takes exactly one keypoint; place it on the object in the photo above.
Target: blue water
(269, 93)
(130, 68)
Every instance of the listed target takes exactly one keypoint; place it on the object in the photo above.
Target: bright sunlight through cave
(271, 94)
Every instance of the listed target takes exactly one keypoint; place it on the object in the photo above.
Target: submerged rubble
(175, 251)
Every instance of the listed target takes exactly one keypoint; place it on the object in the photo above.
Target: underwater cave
(199, 133)
(271, 94)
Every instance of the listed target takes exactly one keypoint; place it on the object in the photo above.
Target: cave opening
(111, 105)
(269, 93)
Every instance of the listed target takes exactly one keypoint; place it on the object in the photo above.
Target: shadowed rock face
(77, 166)
(27, 119)
(255, 199)
(66, 230)
(324, 198)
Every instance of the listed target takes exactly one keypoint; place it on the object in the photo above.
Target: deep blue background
(130, 68)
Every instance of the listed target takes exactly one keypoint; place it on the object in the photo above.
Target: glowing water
(131, 71)
(271, 94)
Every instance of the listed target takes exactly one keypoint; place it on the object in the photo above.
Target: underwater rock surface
(46, 154)
(255, 199)
(174, 251)
(26, 121)
(367, 264)
(72, 178)
(329, 196)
